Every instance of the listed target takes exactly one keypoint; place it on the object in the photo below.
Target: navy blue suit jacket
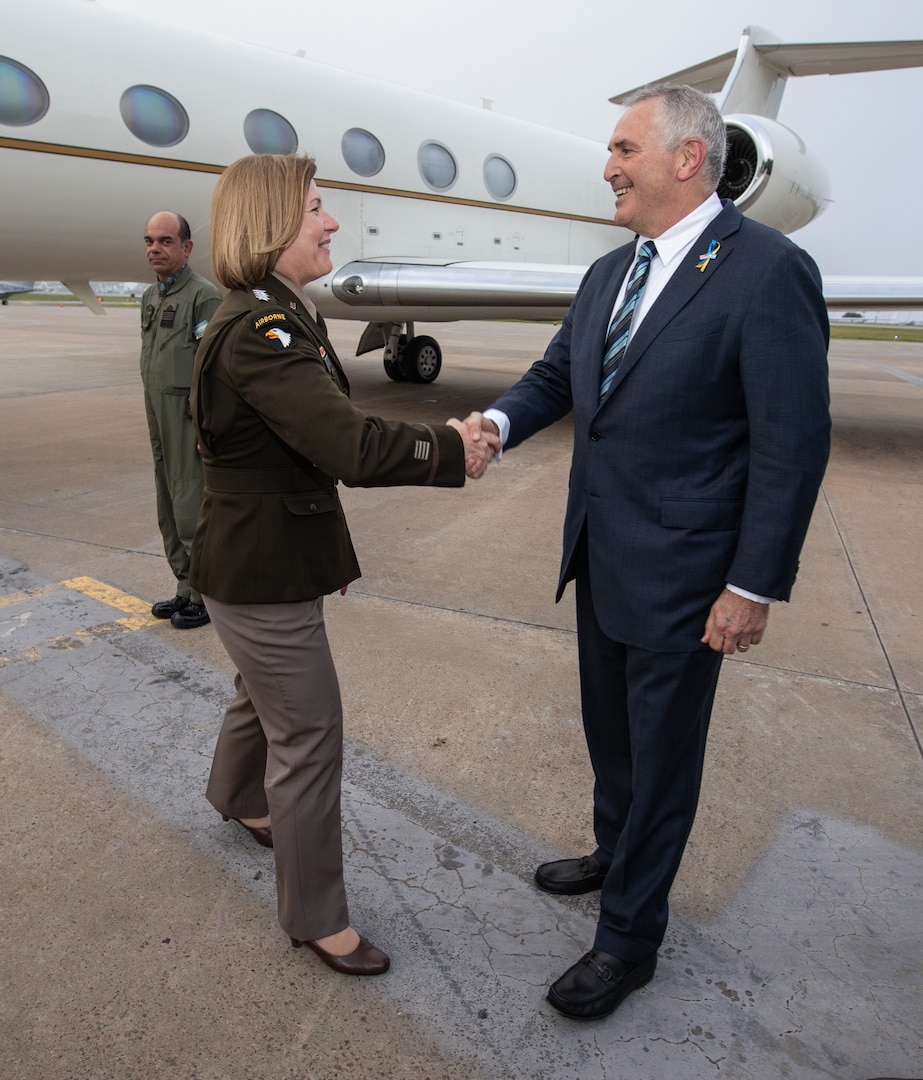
(702, 464)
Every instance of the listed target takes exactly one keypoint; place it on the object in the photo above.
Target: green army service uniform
(278, 431)
(171, 325)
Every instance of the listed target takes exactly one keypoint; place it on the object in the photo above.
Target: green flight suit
(171, 325)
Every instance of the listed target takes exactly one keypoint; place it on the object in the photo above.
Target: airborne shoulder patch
(275, 328)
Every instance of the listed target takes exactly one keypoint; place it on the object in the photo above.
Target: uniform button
(595, 436)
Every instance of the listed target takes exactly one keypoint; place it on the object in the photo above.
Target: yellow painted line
(138, 612)
(31, 654)
(25, 595)
(137, 615)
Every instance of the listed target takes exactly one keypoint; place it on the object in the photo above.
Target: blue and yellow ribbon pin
(713, 248)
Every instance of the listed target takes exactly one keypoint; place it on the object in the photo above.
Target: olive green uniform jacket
(277, 431)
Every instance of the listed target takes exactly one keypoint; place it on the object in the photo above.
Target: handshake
(482, 442)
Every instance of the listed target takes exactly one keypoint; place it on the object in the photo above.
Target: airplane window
(437, 166)
(154, 116)
(267, 132)
(23, 97)
(499, 177)
(362, 152)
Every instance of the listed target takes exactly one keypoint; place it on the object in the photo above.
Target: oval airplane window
(437, 166)
(499, 177)
(362, 152)
(154, 116)
(23, 97)
(267, 132)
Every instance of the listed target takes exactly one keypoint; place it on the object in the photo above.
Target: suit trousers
(280, 750)
(646, 719)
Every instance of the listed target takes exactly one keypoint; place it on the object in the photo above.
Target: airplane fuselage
(97, 183)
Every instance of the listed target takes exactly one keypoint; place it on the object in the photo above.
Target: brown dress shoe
(262, 834)
(365, 959)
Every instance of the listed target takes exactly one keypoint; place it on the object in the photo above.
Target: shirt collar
(163, 287)
(679, 237)
(299, 292)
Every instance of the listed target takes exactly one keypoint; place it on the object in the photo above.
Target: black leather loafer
(365, 959)
(166, 609)
(570, 877)
(597, 984)
(191, 616)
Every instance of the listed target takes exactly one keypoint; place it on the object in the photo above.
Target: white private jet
(446, 212)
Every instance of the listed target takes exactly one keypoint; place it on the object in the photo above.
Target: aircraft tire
(394, 371)
(421, 359)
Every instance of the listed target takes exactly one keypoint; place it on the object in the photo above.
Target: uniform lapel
(316, 328)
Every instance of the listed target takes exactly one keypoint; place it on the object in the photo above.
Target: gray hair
(687, 113)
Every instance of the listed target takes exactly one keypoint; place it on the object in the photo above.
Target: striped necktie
(620, 327)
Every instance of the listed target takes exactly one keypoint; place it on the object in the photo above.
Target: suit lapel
(685, 282)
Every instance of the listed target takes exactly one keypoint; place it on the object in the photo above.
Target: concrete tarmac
(138, 931)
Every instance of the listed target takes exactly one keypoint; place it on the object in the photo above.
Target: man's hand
(478, 426)
(481, 444)
(735, 622)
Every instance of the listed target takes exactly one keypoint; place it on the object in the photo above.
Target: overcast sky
(558, 63)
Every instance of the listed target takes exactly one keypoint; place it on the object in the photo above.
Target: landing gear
(394, 370)
(394, 347)
(411, 359)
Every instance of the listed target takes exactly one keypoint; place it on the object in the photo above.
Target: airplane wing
(844, 293)
(537, 291)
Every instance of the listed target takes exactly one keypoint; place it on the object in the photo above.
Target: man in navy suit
(699, 450)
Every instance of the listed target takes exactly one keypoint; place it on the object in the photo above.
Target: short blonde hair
(257, 211)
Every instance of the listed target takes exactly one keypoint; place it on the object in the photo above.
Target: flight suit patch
(168, 317)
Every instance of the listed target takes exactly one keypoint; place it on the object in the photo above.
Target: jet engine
(770, 176)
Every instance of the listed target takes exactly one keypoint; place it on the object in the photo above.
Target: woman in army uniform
(277, 431)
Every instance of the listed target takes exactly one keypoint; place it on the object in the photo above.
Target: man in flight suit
(174, 314)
